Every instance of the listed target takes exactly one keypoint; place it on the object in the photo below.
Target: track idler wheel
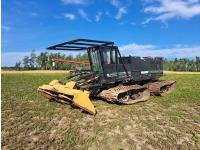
(136, 96)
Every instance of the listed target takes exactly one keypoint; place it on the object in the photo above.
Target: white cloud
(5, 28)
(179, 51)
(135, 47)
(107, 13)
(120, 13)
(69, 16)
(75, 2)
(98, 16)
(84, 15)
(34, 14)
(169, 9)
(133, 23)
(122, 23)
(116, 3)
(121, 7)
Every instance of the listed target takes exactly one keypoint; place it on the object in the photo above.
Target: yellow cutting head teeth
(55, 90)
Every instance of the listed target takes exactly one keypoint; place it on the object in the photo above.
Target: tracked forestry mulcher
(116, 79)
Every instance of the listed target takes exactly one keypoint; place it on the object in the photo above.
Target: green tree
(26, 62)
(32, 60)
(18, 65)
(42, 60)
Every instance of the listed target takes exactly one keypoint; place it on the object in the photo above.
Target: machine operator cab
(106, 59)
(101, 56)
(100, 53)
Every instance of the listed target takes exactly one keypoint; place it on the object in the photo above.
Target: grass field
(29, 121)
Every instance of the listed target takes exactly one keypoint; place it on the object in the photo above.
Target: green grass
(30, 121)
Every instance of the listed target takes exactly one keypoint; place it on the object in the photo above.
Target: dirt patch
(67, 71)
(34, 71)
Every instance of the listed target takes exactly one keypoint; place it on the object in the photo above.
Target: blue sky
(167, 28)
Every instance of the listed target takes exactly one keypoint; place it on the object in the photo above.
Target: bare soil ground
(33, 71)
(66, 71)
(31, 122)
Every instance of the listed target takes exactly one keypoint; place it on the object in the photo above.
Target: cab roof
(80, 44)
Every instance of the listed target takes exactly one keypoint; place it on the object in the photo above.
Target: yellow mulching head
(67, 94)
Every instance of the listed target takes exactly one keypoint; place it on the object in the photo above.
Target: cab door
(95, 61)
(109, 62)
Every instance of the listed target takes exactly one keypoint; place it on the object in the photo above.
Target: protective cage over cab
(105, 58)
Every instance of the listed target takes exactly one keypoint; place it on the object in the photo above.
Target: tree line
(44, 61)
(183, 64)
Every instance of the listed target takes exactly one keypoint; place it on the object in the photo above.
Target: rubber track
(111, 95)
(162, 87)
